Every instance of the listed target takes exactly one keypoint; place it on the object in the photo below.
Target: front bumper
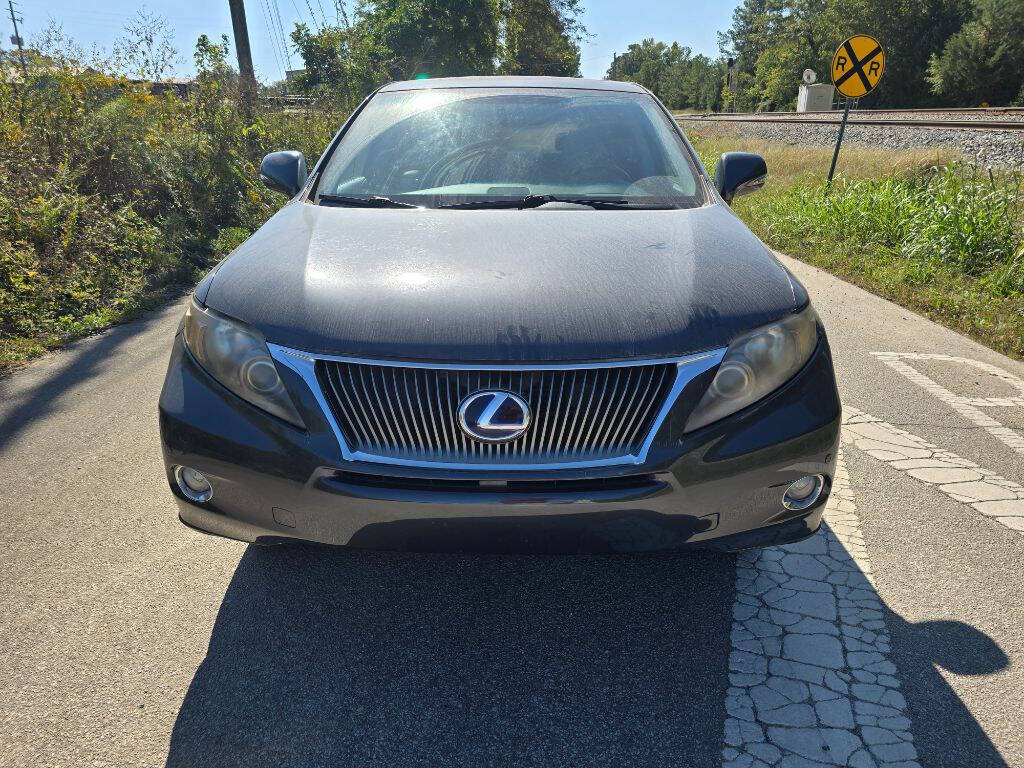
(720, 486)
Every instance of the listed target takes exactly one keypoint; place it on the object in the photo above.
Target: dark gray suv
(503, 314)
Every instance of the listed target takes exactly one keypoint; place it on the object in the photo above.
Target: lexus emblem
(494, 416)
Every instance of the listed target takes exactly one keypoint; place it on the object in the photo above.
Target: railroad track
(893, 111)
(865, 118)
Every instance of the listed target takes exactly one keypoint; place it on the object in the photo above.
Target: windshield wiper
(535, 201)
(370, 201)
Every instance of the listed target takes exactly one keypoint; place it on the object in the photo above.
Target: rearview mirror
(739, 173)
(284, 172)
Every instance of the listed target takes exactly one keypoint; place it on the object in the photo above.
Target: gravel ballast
(981, 147)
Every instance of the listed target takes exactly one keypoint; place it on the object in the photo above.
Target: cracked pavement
(810, 675)
(892, 638)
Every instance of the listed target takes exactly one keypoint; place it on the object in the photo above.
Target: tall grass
(953, 219)
(110, 195)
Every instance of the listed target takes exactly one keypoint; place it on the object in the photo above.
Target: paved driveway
(891, 638)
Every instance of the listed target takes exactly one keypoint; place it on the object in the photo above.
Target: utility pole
(17, 39)
(245, 70)
(24, 69)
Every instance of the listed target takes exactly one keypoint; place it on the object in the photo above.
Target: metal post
(839, 140)
(732, 84)
(729, 64)
(245, 70)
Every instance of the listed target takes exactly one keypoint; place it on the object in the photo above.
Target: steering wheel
(654, 186)
(602, 169)
(428, 179)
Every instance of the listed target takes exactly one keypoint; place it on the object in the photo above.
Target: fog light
(192, 483)
(804, 492)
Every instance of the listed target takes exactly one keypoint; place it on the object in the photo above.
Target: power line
(298, 14)
(268, 15)
(280, 27)
(311, 14)
(273, 37)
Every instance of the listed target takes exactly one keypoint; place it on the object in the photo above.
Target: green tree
(672, 73)
(703, 83)
(399, 39)
(745, 41)
(540, 37)
(644, 63)
(775, 40)
(337, 63)
(441, 37)
(984, 61)
(672, 84)
(146, 49)
(911, 31)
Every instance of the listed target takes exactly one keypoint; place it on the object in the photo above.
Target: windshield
(451, 146)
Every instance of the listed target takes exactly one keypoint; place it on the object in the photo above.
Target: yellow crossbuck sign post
(857, 67)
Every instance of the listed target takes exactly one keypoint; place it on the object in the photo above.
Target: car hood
(502, 285)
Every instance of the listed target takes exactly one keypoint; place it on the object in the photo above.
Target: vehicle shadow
(335, 657)
(945, 731)
(31, 394)
(340, 657)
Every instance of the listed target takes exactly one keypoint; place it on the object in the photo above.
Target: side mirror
(739, 173)
(284, 172)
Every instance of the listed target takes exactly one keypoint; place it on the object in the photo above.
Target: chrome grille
(583, 414)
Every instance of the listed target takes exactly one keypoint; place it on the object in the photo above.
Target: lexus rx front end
(503, 315)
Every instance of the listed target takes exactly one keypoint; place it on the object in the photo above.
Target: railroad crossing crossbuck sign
(858, 66)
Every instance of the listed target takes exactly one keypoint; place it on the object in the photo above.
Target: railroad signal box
(815, 98)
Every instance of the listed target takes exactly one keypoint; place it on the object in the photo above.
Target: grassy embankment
(936, 236)
(112, 200)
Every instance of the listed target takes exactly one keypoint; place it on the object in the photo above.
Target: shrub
(109, 193)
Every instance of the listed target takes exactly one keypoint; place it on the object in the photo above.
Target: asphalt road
(892, 638)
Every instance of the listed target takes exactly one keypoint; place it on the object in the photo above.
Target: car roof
(577, 83)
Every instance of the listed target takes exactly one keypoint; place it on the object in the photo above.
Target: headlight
(757, 364)
(237, 357)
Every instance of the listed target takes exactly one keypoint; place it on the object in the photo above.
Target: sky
(613, 25)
